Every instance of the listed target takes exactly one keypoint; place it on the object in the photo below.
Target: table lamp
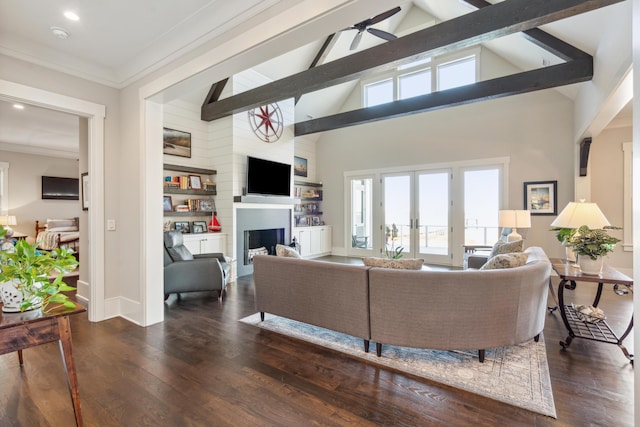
(514, 219)
(6, 221)
(577, 214)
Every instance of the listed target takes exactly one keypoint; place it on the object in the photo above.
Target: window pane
(434, 213)
(361, 214)
(414, 84)
(378, 93)
(481, 205)
(457, 73)
(397, 212)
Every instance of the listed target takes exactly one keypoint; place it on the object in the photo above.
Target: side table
(578, 328)
(19, 331)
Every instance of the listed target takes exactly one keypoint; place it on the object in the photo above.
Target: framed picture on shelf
(206, 205)
(541, 197)
(195, 182)
(299, 166)
(167, 204)
(176, 142)
(199, 227)
(315, 220)
(182, 226)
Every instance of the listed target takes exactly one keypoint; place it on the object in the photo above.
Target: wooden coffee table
(31, 328)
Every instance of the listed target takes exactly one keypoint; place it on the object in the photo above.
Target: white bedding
(48, 240)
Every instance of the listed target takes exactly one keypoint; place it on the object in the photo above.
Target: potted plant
(25, 282)
(392, 235)
(591, 245)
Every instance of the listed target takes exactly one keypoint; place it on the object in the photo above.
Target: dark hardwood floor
(201, 367)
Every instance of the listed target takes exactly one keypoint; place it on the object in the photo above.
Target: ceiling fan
(364, 26)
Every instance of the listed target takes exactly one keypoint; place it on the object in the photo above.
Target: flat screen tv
(54, 187)
(268, 178)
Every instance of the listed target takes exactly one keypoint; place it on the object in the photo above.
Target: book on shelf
(182, 208)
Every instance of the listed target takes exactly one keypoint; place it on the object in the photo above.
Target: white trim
(95, 113)
(627, 202)
(4, 188)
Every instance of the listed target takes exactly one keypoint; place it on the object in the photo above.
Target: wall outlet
(111, 224)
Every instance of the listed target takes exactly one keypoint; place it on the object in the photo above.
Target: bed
(58, 233)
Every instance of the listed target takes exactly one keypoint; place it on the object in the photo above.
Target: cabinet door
(214, 243)
(193, 244)
(304, 238)
(316, 241)
(325, 240)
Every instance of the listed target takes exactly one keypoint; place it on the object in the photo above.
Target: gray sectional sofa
(447, 310)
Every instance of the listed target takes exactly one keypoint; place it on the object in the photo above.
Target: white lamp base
(514, 236)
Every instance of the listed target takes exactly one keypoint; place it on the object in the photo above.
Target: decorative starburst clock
(266, 122)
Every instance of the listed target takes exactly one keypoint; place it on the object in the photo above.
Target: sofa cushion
(404, 264)
(506, 247)
(287, 251)
(511, 260)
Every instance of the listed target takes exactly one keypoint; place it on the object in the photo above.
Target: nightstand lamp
(7, 221)
(514, 219)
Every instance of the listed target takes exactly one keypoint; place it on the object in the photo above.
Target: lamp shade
(8, 220)
(514, 219)
(577, 214)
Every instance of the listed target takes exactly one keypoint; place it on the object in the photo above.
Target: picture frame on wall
(85, 191)
(176, 142)
(182, 226)
(300, 166)
(541, 197)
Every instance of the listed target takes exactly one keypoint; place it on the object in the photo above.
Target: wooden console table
(31, 328)
(578, 328)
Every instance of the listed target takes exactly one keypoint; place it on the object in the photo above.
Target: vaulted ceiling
(117, 42)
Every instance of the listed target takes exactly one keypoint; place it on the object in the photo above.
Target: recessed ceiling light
(71, 16)
(18, 106)
(60, 33)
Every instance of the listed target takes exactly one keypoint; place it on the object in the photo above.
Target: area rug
(517, 375)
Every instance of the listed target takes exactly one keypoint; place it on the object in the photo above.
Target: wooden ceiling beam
(487, 23)
(528, 81)
(215, 92)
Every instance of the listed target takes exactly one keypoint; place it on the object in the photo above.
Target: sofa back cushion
(403, 264)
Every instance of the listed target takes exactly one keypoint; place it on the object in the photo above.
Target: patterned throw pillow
(404, 264)
(506, 247)
(515, 259)
(286, 251)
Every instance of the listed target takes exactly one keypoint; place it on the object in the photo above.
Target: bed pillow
(403, 264)
(501, 247)
(512, 260)
(70, 224)
(287, 252)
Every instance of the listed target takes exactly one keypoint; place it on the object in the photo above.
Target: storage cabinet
(205, 243)
(314, 241)
(309, 211)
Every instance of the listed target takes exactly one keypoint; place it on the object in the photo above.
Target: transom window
(417, 78)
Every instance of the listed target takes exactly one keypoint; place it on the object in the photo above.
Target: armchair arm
(204, 274)
(218, 255)
(476, 261)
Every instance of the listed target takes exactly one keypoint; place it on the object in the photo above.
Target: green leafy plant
(592, 243)
(563, 234)
(31, 268)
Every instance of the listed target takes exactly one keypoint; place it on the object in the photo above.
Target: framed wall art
(176, 142)
(299, 166)
(541, 197)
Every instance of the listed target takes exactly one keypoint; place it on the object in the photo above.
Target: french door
(416, 212)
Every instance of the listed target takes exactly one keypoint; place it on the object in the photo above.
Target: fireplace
(257, 228)
(261, 242)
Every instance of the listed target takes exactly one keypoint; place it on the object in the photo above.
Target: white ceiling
(117, 42)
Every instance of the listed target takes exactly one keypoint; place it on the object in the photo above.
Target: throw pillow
(287, 251)
(515, 259)
(404, 264)
(506, 247)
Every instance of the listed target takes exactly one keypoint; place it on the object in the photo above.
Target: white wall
(606, 172)
(534, 130)
(25, 189)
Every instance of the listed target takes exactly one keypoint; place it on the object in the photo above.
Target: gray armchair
(185, 272)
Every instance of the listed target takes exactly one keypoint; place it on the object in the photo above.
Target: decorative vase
(590, 266)
(12, 297)
(569, 253)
